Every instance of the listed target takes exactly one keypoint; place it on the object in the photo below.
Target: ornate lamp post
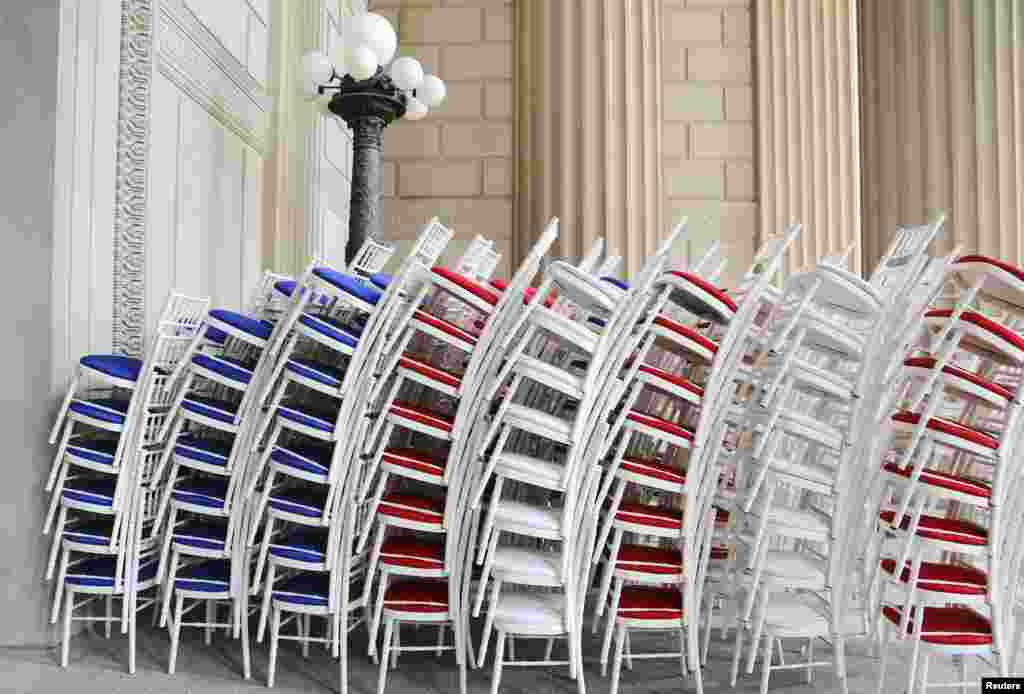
(369, 97)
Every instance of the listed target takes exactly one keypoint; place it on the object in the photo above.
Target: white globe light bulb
(361, 62)
(317, 67)
(407, 73)
(432, 91)
(415, 109)
(383, 39)
(360, 30)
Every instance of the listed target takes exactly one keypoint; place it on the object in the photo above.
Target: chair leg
(737, 653)
(172, 571)
(275, 628)
(382, 674)
(129, 604)
(810, 659)
(440, 640)
(766, 665)
(883, 628)
(485, 637)
(172, 659)
(268, 590)
(962, 671)
(609, 628)
(65, 641)
(58, 592)
(499, 662)
(397, 645)
(211, 612)
(108, 623)
(55, 545)
(620, 641)
(378, 608)
(246, 655)
(923, 682)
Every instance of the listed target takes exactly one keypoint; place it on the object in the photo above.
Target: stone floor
(98, 666)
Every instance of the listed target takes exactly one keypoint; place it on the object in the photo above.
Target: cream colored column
(808, 124)
(943, 118)
(588, 125)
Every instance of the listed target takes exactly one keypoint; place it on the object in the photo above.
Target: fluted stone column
(808, 120)
(943, 107)
(588, 125)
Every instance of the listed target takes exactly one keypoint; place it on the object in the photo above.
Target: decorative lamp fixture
(371, 88)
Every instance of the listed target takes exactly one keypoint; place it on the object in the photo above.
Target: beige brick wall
(457, 162)
(708, 118)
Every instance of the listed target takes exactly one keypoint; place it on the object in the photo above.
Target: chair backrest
(371, 258)
(489, 259)
(475, 254)
(589, 261)
(906, 256)
(711, 264)
(264, 301)
(431, 242)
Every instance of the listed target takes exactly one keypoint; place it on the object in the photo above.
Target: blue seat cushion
(302, 545)
(98, 492)
(98, 572)
(320, 416)
(616, 282)
(302, 501)
(233, 369)
(328, 374)
(310, 458)
(381, 280)
(113, 410)
(221, 410)
(93, 532)
(125, 368)
(209, 493)
(304, 589)
(331, 328)
(349, 284)
(201, 535)
(285, 287)
(93, 449)
(212, 576)
(246, 324)
(214, 335)
(203, 450)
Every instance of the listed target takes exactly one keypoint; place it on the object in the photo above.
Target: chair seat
(251, 326)
(305, 501)
(412, 552)
(381, 280)
(996, 390)
(338, 332)
(95, 531)
(201, 535)
(550, 375)
(98, 572)
(1009, 279)
(938, 577)
(649, 560)
(218, 337)
(320, 415)
(212, 576)
(446, 327)
(412, 507)
(653, 469)
(671, 383)
(650, 516)
(543, 519)
(542, 566)
(113, 365)
(700, 297)
(946, 626)
(92, 449)
(794, 565)
(650, 602)
(432, 372)
(350, 285)
(305, 545)
(473, 287)
(947, 427)
(97, 492)
(231, 369)
(304, 589)
(306, 457)
(427, 462)
(993, 334)
(328, 374)
(616, 282)
(211, 408)
(411, 412)
(203, 450)
(541, 423)
(582, 289)
(952, 530)
(655, 422)
(689, 338)
(417, 595)
(210, 493)
(111, 410)
(945, 480)
(793, 615)
(539, 471)
(529, 612)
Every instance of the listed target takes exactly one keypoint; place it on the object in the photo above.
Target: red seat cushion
(711, 289)
(653, 468)
(444, 326)
(650, 602)
(421, 415)
(530, 292)
(672, 378)
(653, 516)
(947, 626)
(945, 529)
(417, 595)
(964, 485)
(432, 372)
(953, 370)
(500, 285)
(411, 507)
(686, 332)
(651, 560)
(982, 322)
(1006, 267)
(473, 287)
(719, 553)
(412, 552)
(422, 461)
(660, 424)
(949, 427)
(943, 578)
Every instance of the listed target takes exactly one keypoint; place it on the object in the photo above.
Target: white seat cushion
(528, 612)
